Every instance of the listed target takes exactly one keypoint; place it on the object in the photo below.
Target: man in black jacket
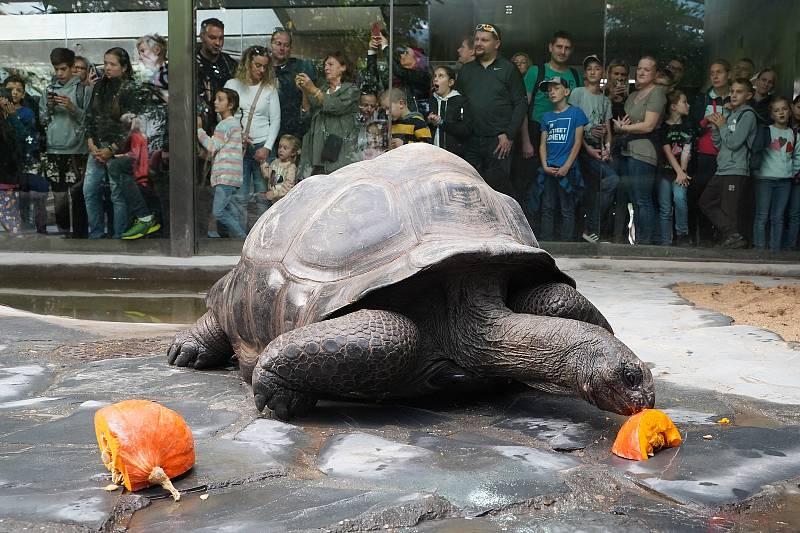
(498, 101)
(286, 70)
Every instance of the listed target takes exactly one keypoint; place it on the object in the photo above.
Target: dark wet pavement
(511, 460)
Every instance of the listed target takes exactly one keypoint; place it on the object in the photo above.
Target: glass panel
(701, 48)
(91, 129)
(293, 39)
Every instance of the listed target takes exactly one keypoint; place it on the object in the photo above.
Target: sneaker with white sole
(590, 237)
(141, 228)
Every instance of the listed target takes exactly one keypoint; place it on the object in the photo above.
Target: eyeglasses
(258, 51)
(489, 28)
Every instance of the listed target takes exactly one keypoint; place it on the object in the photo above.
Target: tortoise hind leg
(558, 300)
(366, 353)
(204, 345)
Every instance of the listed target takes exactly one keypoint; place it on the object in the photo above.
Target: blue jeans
(793, 216)
(554, 195)
(252, 185)
(671, 194)
(96, 174)
(225, 212)
(609, 181)
(772, 196)
(642, 184)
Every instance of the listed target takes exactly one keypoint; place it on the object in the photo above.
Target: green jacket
(335, 116)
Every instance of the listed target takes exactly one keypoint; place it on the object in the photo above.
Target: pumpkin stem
(157, 475)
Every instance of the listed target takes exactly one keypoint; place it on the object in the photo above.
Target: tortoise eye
(632, 376)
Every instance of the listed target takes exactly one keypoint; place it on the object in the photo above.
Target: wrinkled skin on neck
(554, 354)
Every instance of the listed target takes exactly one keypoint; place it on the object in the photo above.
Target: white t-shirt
(267, 117)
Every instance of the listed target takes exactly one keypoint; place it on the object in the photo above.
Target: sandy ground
(774, 308)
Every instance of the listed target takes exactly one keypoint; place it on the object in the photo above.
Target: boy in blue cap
(559, 177)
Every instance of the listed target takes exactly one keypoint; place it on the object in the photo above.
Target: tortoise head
(613, 378)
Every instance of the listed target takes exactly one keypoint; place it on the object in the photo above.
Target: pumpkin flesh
(644, 434)
(143, 443)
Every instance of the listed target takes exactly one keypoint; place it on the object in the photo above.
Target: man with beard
(496, 93)
(560, 48)
(291, 98)
(214, 68)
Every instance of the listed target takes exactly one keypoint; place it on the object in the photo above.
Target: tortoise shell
(335, 238)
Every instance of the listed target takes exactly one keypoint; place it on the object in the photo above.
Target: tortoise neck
(491, 339)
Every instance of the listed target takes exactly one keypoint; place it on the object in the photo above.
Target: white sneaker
(590, 237)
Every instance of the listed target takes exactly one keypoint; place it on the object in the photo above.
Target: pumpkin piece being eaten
(143, 443)
(645, 433)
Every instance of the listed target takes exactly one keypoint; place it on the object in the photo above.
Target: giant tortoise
(399, 277)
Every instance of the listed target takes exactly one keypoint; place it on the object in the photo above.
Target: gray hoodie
(734, 140)
(66, 133)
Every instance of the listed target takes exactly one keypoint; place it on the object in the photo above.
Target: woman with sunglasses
(260, 115)
(332, 137)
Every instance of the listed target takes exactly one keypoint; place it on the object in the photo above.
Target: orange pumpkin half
(644, 433)
(143, 443)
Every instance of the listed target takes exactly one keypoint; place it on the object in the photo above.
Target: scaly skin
(372, 354)
(204, 345)
(558, 300)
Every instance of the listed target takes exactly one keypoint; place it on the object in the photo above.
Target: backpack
(761, 141)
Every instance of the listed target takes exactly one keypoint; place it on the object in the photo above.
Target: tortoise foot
(204, 345)
(270, 390)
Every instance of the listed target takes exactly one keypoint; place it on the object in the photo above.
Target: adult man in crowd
(466, 52)
(66, 104)
(560, 48)
(291, 98)
(744, 68)
(496, 93)
(214, 68)
(88, 77)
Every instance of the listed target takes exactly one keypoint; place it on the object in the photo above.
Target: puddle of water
(109, 300)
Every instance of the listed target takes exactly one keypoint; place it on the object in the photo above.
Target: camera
(5, 93)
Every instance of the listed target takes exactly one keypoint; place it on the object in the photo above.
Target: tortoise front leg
(558, 300)
(204, 345)
(364, 354)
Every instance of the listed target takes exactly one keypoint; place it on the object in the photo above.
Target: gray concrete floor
(512, 460)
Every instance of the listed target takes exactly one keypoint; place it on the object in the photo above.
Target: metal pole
(182, 134)
(390, 60)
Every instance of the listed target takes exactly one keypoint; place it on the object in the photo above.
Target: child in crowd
(135, 149)
(225, 150)
(449, 115)
(793, 208)
(561, 141)
(371, 120)
(33, 188)
(602, 179)
(773, 181)
(376, 139)
(677, 138)
(733, 136)
(281, 174)
(9, 171)
(407, 126)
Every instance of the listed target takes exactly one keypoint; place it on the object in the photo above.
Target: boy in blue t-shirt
(559, 176)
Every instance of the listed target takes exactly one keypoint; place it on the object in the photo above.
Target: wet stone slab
(736, 462)
(287, 505)
(565, 424)
(22, 380)
(151, 378)
(45, 483)
(474, 476)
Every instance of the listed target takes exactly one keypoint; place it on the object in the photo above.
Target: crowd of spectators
(607, 150)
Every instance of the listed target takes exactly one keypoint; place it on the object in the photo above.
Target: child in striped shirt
(407, 126)
(225, 151)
